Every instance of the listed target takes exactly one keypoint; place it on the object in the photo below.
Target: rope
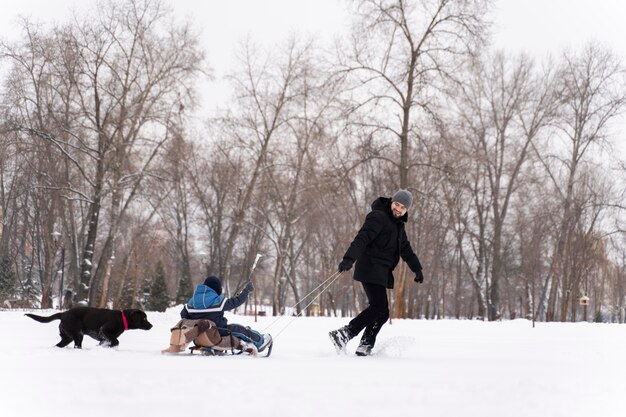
(336, 274)
(332, 280)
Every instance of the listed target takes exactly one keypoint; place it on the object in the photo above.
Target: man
(376, 249)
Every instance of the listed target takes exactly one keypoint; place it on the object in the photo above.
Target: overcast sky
(538, 27)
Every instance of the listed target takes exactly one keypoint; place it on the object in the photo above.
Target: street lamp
(56, 237)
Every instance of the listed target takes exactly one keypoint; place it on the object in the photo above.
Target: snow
(419, 368)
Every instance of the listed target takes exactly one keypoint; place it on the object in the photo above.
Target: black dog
(103, 325)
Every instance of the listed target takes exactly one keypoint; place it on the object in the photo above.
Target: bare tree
(30, 108)
(266, 86)
(298, 171)
(508, 106)
(400, 49)
(593, 94)
(400, 52)
(178, 219)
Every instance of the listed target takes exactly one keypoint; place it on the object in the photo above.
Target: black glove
(419, 277)
(345, 265)
(248, 288)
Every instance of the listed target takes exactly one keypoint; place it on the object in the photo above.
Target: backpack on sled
(206, 338)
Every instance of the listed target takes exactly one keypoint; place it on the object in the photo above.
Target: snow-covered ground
(419, 368)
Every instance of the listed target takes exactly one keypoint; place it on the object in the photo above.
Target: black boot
(340, 338)
(364, 349)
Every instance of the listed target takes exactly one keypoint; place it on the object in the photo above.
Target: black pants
(374, 316)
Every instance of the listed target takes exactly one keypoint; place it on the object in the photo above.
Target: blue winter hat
(214, 282)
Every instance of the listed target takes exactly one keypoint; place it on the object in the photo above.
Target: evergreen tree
(30, 293)
(184, 290)
(126, 301)
(158, 299)
(8, 279)
(144, 293)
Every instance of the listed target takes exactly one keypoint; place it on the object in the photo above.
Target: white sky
(542, 26)
(535, 26)
(222, 23)
(538, 27)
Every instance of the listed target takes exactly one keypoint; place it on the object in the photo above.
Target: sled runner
(207, 340)
(212, 351)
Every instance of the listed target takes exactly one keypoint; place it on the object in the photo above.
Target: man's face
(398, 209)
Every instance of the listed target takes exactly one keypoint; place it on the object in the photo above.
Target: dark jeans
(374, 316)
(246, 331)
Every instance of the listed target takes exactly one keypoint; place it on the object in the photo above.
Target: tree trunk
(83, 292)
(399, 299)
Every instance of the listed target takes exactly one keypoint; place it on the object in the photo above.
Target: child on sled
(208, 303)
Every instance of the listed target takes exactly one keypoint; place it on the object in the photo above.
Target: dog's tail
(42, 319)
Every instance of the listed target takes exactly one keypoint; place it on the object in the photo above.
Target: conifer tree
(158, 299)
(184, 290)
(126, 301)
(8, 279)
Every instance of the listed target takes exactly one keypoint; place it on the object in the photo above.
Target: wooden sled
(207, 340)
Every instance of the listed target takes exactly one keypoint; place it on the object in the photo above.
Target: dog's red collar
(124, 320)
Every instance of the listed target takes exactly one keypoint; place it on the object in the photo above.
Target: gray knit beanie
(403, 197)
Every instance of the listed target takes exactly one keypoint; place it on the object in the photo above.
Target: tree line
(111, 190)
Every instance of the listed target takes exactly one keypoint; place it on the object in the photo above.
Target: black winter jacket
(379, 244)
